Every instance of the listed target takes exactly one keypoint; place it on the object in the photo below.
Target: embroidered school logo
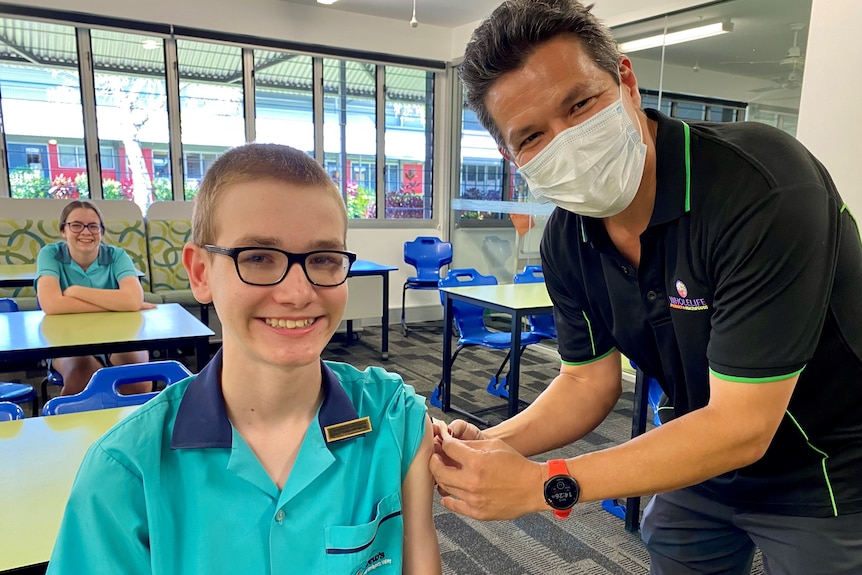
(378, 560)
(684, 302)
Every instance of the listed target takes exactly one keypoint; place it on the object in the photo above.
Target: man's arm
(574, 404)
(421, 551)
(486, 479)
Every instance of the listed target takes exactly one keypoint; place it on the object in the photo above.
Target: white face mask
(592, 169)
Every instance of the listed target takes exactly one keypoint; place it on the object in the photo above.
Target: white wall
(830, 115)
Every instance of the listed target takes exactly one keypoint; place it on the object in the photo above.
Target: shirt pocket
(373, 547)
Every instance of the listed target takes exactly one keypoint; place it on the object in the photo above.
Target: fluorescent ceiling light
(327, 1)
(675, 37)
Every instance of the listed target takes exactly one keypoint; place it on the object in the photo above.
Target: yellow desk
(518, 300)
(32, 335)
(40, 457)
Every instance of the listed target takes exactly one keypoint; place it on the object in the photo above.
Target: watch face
(561, 492)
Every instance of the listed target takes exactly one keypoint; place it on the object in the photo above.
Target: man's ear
(629, 81)
(197, 263)
(505, 153)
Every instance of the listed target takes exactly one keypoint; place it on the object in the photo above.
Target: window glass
(283, 100)
(211, 105)
(42, 110)
(132, 116)
(350, 133)
(409, 137)
(751, 67)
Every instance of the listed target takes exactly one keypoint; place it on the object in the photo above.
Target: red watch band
(559, 467)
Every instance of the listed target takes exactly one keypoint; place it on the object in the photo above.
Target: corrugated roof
(54, 45)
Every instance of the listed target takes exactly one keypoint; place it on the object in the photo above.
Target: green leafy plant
(28, 183)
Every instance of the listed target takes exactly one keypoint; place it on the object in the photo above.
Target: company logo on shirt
(684, 302)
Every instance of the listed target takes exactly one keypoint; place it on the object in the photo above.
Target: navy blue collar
(105, 257)
(202, 419)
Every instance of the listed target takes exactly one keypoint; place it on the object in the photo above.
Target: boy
(270, 460)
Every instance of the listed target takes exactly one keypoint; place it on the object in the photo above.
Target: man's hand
(458, 429)
(148, 305)
(484, 478)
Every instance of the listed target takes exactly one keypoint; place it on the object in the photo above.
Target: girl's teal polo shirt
(112, 264)
(174, 489)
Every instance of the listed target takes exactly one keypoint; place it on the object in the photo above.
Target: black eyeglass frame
(101, 229)
(292, 258)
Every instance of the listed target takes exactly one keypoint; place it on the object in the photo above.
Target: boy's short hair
(253, 162)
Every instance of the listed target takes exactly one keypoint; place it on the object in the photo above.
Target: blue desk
(365, 268)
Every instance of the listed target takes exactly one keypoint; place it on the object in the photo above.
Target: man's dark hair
(512, 33)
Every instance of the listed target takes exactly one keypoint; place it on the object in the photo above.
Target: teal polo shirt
(174, 489)
(112, 264)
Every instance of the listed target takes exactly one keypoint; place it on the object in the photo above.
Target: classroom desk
(32, 335)
(518, 300)
(23, 275)
(41, 456)
(365, 268)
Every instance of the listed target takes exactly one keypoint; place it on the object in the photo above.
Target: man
(270, 460)
(721, 259)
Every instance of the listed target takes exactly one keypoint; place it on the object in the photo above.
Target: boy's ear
(197, 263)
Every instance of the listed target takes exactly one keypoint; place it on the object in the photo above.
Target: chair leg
(44, 390)
(403, 320)
(36, 406)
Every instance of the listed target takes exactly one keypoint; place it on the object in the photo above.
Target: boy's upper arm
(421, 550)
(104, 528)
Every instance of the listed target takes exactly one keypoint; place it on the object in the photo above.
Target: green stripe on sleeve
(604, 355)
(737, 379)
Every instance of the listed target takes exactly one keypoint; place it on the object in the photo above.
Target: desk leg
(384, 337)
(639, 409)
(202, 352)
(514, 364)
(446, 381)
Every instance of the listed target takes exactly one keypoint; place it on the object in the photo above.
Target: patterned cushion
(132, 237)
(166, 240)
(20, 242)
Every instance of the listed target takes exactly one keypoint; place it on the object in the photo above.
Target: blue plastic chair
(101, 391)
(17, 392)
(10, 411)
(428, 255)
(472, 331)
(542, 324)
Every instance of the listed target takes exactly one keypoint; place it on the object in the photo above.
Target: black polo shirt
(751, 268)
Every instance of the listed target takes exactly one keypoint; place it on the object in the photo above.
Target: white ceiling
(445, 13)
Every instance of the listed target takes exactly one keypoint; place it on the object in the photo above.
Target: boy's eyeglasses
(78, 227)
(269, 266)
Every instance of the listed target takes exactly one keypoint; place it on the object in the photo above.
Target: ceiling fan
(793, 57)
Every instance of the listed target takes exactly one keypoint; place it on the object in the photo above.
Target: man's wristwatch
(561, 489)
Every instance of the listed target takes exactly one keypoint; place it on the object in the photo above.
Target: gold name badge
(347, 429)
